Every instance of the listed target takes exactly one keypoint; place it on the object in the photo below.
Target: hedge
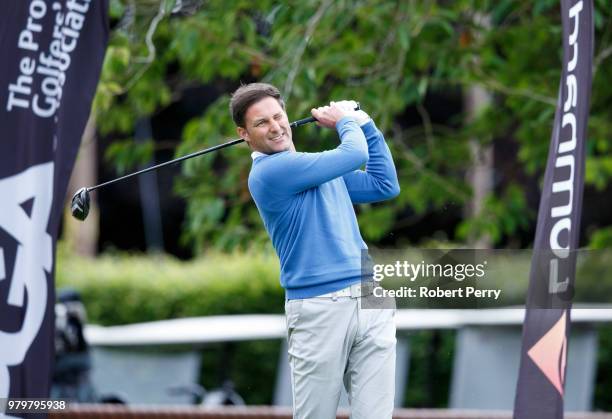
(122, 289)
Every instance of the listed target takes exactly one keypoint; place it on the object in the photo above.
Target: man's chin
(280, 150)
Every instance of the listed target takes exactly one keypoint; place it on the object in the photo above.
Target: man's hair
(249, 94)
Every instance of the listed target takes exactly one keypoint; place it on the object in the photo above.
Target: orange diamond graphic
(549, 354)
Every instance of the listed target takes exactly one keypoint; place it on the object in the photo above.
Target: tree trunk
(480, 176)
(82, 236)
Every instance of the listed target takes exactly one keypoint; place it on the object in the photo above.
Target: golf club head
(80, 204)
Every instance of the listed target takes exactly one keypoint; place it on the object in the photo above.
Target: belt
(353, 291)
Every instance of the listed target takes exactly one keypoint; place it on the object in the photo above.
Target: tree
(392, 57)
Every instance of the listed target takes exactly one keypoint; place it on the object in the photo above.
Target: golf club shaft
(168, 163)
(302, 121)
(294, 124)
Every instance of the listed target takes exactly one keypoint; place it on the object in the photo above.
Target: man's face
(266, 127)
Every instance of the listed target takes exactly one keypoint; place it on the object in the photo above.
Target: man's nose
(275, 126)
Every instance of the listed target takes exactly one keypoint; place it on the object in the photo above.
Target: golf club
(80, 200)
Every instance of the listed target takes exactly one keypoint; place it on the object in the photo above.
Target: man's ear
(243, 133)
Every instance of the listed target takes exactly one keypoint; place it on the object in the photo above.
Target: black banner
(539, 393)
(51, 55)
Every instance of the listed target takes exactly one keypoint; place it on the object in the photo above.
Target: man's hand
(349, 106)
(328, 116)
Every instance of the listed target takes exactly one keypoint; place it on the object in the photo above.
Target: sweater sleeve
(292, 173)
(379, 180)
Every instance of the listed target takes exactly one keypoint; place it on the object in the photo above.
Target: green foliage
(375, 221)
(123, 289)
(499, 216)
(390, 56)
(124, 154)
(431, 364)
(601, 239)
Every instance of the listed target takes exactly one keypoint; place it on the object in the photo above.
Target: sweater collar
(256, 154)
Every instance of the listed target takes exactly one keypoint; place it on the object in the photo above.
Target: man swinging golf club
(305, 201)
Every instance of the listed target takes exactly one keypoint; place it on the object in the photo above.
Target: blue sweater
(305, 201)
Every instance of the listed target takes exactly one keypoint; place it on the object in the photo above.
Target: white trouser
(334, 341)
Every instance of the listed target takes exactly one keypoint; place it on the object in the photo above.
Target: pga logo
(32, 262)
